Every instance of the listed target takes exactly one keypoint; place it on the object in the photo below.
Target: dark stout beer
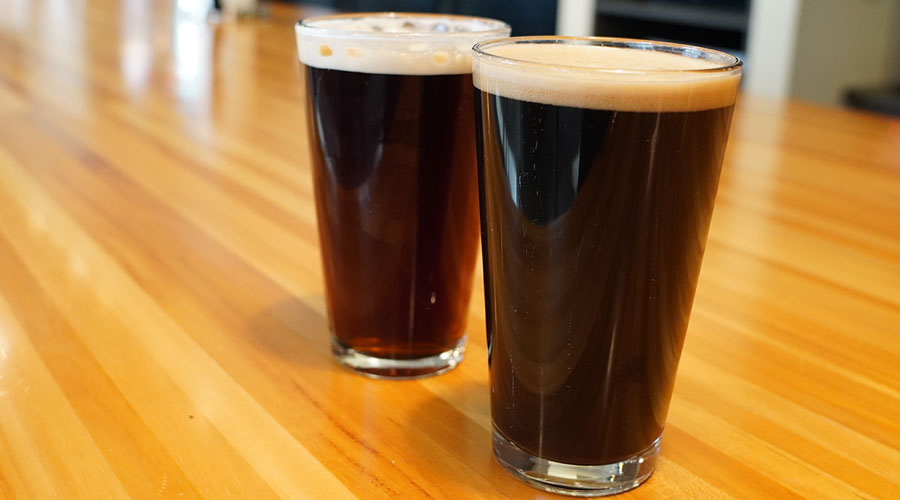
(397, 207)
(393, 158)
(600, 260)
(596, 201)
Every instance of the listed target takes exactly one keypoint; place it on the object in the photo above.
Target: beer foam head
(607, 74)
(394, 43)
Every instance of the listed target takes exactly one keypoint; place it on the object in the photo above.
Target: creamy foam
(608, 78)
(398, 44)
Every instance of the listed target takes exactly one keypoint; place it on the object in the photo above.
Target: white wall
(816, 49)
(844, 43)
(575, 17)
(895, 43)
(771, 39)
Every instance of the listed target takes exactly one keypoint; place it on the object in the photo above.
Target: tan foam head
(390, 43)
(609, 78)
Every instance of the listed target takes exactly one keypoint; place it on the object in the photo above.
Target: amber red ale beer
(599, 165)
(389, 103)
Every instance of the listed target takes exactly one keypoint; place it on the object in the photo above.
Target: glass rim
(729, 62)
(497, 27)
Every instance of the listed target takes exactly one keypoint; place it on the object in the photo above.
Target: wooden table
(162, 326)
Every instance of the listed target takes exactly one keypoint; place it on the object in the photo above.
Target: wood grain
(162, 329)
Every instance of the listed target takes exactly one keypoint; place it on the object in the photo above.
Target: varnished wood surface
(162, 330)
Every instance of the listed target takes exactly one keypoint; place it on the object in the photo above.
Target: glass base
(397, 369)
(576, 480)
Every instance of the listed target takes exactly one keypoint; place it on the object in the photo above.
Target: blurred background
(828, 51)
